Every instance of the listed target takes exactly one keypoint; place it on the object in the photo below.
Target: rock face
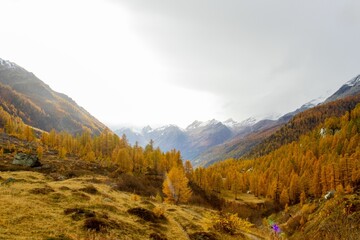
(26, 160)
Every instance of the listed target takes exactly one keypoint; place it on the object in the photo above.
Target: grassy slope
(337, 218)
(33, 206)
(39, 213)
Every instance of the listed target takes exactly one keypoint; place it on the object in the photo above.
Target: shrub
(308, 208)
(89, 189)
(157, 236)
(95, 224)
(159, 212)
(231, 224)
(79, 213)
(203, 236)
(135, 197)
(145, 214)
(158, 198)
(43, 191)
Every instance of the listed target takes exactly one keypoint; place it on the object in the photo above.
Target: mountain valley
(204, 143)
(64, 175)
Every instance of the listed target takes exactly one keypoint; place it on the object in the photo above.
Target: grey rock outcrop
(26, 160)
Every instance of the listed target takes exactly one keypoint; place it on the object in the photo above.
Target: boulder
(26, 160)
(329, 195)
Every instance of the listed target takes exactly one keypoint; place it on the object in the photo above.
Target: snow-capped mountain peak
(353, 81)
(313, 103)
(248, 122)
(231, 123)
(166, 127)
(209, 123)
(198, 124)
(350, 88)
(194, 125)
(7, 64)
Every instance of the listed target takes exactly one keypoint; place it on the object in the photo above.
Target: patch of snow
(209, 123)
(165, 127)
(314, 102)
(7, 64)
(230, 123)
(353, 81)
(248, 122)
(194, 125)
(136, 130)
(272, 116)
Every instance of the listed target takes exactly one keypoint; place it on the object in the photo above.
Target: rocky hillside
(350, 88)
(23, 95)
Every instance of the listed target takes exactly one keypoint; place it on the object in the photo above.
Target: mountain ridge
(247, 134)
(26, 96)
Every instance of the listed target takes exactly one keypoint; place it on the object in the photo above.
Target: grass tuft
(144, 214)
(89, 189)
(43, 191)
(203, 236)
(79, 213)
(95, 224)
(157, 236)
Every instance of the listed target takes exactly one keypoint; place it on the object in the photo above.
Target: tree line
(326, 158)
(108, 149)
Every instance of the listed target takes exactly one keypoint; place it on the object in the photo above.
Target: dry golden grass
(244, 197)
(32, 207)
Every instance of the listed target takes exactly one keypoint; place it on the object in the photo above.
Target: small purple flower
(276, 228)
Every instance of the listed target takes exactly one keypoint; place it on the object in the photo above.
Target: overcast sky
(162, 61)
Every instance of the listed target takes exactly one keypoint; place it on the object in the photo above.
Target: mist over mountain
(241, 145)
(191, 141)
(204, 143)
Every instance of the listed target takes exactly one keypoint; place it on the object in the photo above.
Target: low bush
(157, 236)
(231, 224)
(145, 214)
(159, 212)
(203, 236)
(43, 191)
(89, 189)
(95, 224)
(79, 213)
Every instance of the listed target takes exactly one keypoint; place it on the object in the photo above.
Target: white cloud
(153, 62)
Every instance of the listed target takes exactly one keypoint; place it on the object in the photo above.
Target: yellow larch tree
(40, 151)
(175, 186)
(189, 171)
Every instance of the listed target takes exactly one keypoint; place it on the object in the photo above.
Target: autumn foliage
(303, 123)
(176, 187)
(326, 158)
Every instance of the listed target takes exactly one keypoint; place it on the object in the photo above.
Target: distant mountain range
(204, 143)
(25, 96)
(192, 141)
(198, 140)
